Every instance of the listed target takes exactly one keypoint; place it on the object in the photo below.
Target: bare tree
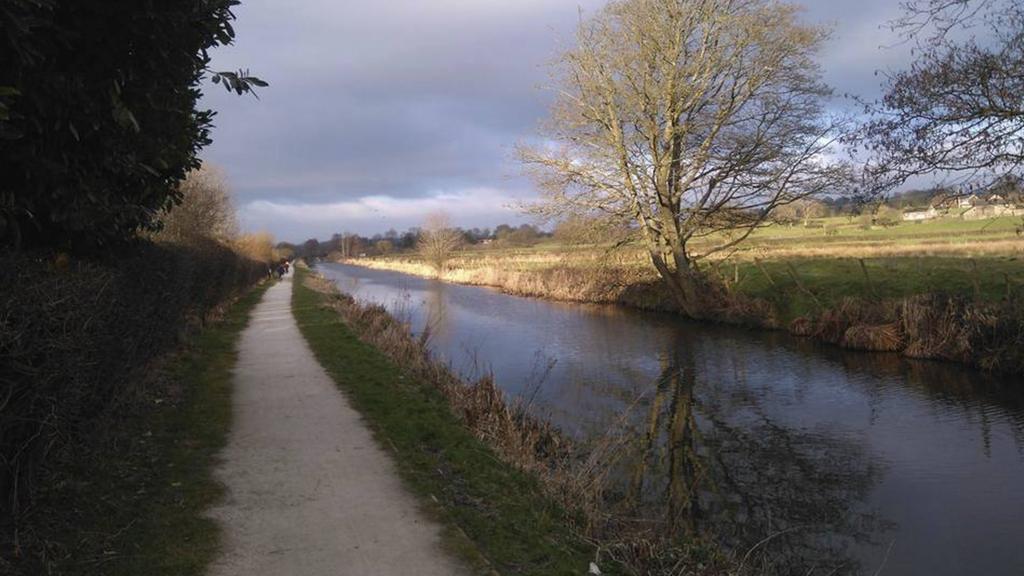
(438, 241)
(205, 211)
(800, 211)
(258, 246)
(959, 108)
(692, 119)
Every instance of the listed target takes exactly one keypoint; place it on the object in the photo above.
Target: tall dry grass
(927, 326)
(546, 276)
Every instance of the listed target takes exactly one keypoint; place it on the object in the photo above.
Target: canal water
(836, 462)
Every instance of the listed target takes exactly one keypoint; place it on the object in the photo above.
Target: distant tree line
(349, 245)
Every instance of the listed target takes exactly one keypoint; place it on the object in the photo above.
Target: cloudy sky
(381, 111)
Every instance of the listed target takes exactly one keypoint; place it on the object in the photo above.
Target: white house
(967, 202)
(920, 215)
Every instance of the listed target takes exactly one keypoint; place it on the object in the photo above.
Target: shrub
(888, 216)
(591, 230)
(524, 235)
(438, 242)
(76, 337)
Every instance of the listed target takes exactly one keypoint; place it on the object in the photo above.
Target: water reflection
(844, 461)
(710, 461)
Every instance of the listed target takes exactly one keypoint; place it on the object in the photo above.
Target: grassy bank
(132, 500)
(977, 258)
(497, 516)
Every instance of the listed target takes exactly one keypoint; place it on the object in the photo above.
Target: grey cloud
(408, 98)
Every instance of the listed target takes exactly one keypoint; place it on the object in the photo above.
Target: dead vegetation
(929, 327)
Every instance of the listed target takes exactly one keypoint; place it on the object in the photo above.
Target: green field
(832, 279)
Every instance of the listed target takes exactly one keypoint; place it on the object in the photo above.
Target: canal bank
(932, 309)
(308, 489)
(496, 516)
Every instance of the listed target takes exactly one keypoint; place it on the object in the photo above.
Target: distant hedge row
(76, 337)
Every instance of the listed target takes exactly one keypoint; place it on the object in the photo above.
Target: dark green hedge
(99, 115)
(77, 337)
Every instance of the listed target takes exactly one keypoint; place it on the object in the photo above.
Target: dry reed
(802, 326)
(875, 338)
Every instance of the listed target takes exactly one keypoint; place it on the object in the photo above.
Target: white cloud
(375, 214)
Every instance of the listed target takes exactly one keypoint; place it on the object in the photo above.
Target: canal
(846, 462)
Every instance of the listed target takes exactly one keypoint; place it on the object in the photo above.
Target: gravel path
(309, 491)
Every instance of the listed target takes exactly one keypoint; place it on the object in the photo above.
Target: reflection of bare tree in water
(435, 306)
(710, 461)
(672, 406)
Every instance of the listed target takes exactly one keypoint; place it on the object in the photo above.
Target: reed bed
(929, 327)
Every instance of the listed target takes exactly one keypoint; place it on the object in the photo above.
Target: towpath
(309, 491)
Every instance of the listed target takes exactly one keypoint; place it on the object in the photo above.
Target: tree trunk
(688, 287)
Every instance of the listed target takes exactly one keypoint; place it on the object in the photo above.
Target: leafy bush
(98, 118)
(888, 216)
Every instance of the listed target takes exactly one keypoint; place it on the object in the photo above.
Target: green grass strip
(501, 510)
(134, 503)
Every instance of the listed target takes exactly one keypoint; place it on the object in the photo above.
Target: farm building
(919, 215)
(984, 210)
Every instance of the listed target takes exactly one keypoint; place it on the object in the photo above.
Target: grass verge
(801, 286)
(511, 527)
(133, 501)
